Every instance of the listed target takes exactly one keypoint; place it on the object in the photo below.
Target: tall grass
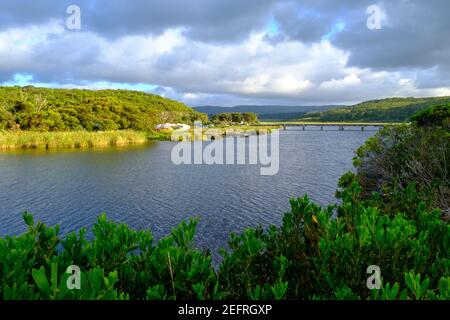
(14, 140)
(69, 140)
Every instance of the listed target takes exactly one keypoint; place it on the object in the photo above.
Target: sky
(231, 52)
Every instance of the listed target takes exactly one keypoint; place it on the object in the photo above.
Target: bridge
(340, 125)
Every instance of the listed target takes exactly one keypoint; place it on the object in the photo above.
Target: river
(141, 186)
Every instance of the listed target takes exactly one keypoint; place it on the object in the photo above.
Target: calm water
(141, 186)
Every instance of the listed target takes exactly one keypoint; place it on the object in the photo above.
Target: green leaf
(424, 285)
(41, 281)
(28, 218)
(54, 279)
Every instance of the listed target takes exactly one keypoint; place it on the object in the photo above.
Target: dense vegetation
(40, 109)
(401, 157)
(391, 219)
(384, 110)
(230, 118)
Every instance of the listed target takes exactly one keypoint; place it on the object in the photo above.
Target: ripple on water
(141, 186)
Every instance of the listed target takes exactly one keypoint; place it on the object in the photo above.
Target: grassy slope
(385, 110)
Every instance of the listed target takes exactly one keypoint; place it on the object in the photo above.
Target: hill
(384, 110)
(42, 109)
(265, 112)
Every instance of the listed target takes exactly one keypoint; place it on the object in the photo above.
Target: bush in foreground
(401, 156)
(310, 256)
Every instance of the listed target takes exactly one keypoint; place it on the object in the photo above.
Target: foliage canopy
(384, 110)
(41, 109)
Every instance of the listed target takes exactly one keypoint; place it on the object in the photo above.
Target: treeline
(390, 216)
(41, 109)
(385, 110)
(235, 118)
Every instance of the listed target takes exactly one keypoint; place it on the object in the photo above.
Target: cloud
(411, 38)
(227, 52)
(204, 19)
(347, 82)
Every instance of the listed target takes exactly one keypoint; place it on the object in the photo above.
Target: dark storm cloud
(415, 34)
(20, 13)
(204, 19)
(305, 25)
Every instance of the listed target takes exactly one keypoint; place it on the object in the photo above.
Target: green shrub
(310, 256)
(398, 157)
(438, 115)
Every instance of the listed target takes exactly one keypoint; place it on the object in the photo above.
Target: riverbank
(212, 133)
(69, 140)
(15, 140)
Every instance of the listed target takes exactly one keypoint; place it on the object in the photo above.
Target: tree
(438, 115)
(250, 117)
(234, 118)
(44, 109)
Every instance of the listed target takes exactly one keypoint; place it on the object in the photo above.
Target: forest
(383, 110)
(230, 118)
(41, 109)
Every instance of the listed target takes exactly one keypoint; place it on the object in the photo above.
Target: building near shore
(172, 126)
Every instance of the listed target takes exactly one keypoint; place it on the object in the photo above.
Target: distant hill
(385, 110)
(266, 112)
(382, 110)
(31, 108)
(281, 116)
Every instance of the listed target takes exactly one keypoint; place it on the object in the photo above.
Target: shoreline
(214, 133)
(28, 140)
(35, 140)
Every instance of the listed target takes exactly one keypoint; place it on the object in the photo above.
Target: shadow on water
(41, 151)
